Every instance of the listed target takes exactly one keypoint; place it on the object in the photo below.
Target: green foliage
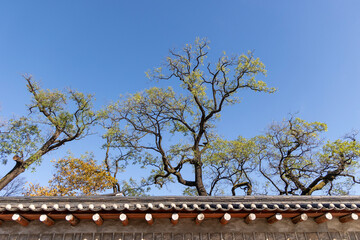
(133, 188)
(61, 117)
(188, 191)
(177, 128)
(228, 165)
(58, 111)
(19, 137)
(295, 160)
(172, 130)
(209, 88)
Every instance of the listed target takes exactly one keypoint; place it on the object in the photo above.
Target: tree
(14, 188)
(151, 121)
(62, 117)
(75, 176)
(230, 164)
(116, 160)
(295, 161)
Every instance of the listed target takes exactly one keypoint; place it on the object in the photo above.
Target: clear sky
(311, 50)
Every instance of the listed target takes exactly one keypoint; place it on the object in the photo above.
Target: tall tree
(174, 130)
(60, 117)
(295, 160)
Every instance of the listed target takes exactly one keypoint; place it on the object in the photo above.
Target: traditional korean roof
(100, 208)
(180, 203)
(180, 217)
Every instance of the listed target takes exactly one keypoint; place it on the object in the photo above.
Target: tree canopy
(170, 133)
(149, 117)
(75, 176)
(59, 118)
(295, 160)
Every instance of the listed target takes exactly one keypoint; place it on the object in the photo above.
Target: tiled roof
(180, 203)
(180, 217)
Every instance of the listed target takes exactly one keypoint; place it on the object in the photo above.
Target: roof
(49, 210)
(231, 218)
(180, 203)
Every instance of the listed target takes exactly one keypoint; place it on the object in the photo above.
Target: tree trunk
(199, 181)
(22, 165)
(16, 171)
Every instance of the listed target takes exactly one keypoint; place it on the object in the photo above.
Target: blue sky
(310, 48)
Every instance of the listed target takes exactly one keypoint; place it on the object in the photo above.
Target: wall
(162, 229)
